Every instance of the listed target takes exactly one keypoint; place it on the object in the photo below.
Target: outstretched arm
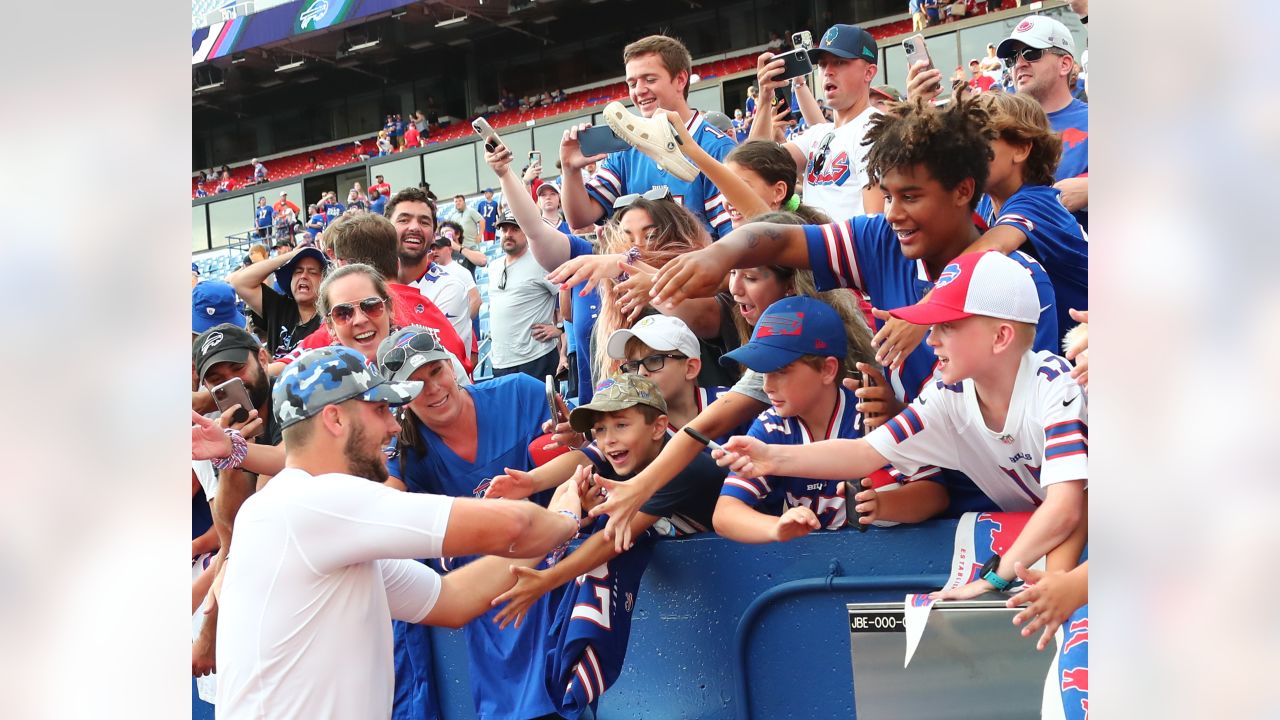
(580, 209)
(700, 273)
(837, 459)
(550, 247)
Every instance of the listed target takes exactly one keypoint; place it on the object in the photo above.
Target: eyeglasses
(372, 307)
(1029, 54)
(653, 363)
(820, 159)
(423, 342)
(502, 280)
(658, 192)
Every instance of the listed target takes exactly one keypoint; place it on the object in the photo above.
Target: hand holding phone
(233, 393)
(485, 130)
(535, 158)
(600, 140)
(559, 411)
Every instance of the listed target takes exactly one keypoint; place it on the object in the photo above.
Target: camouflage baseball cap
(328, 376)
(617, 393)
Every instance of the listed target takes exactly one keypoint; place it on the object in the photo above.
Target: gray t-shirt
(525, 298)
(470, 220)
(751, 385)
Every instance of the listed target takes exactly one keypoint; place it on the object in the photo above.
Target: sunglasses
(653, 363)
(395, 358)
(372, 307)
(658, 192)
(820, 158)
(1029, 54)
(502, 280)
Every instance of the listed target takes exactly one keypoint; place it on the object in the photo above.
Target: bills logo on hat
(210, 311)
(949, 274)
(1023, 26)
(213, 340)
(780, 324)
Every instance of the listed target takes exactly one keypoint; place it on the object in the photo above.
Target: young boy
(1021, 206)
(798, 345)
(1010, 418)
(590, 621)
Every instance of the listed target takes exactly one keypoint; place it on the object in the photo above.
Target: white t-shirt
(318, 567)
(450, 295)
(836, 186)
(464, 276)
(1045, 439)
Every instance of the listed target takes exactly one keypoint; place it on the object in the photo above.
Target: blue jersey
(822, 496)
(631, 171)
(863, 252)
(585, 311)
(488, 210)
(521, 402)
(1073, 122)
(317, 218)
(263, 214)
(378, 206)
(1055, 239)
(333, 211)
(751, 106)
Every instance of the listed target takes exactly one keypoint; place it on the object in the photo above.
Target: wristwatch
(988, 573)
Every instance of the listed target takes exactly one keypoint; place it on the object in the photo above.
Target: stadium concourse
(541, 377)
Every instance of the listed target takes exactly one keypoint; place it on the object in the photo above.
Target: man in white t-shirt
(322, 556)
(442, 250)
(830, 156)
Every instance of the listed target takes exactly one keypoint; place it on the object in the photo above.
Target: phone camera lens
(909, 46)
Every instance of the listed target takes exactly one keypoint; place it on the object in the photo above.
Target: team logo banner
(320, 14)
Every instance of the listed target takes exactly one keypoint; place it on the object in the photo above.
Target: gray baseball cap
(328, 376)
(408, 349)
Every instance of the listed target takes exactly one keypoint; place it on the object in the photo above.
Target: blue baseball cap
(214, 303)
(790, 329)
(846, 41)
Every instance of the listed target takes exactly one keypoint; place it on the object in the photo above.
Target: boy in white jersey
(1009, 418)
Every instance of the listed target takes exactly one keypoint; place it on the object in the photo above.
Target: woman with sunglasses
(453, 439)
(356, 305)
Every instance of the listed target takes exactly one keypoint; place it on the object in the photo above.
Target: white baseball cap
(1038, 31)
(660, 332)
(991, 284)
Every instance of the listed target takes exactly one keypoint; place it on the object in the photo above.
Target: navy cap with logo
(331, 375)
(284, 275)
(788, 330)
(222, 343)
(213, 303)
(846, 41)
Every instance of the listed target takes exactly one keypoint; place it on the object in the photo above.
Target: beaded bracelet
(239, 450)
(555, 555)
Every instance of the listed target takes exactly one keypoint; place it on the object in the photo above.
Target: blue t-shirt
(264, 214)
(1054, 238)
(631, 171)
(1073, 122)
(821, 496)
(333, 211)
(751, 105)
(585, 311)
(863, 252)
(378, 206)
(320, 218)
(488, 210)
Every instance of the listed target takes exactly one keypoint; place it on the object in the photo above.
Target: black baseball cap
(846, 41)
(222, 343)
(506, 218)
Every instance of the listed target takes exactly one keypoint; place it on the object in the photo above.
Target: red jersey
(411, 136)
(383, 188)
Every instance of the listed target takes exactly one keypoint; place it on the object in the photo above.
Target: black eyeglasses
(372, 307)
(653, 363)
(820, 159)
(502, 280)
(658, 192)
(1029, 54)
(422, 343)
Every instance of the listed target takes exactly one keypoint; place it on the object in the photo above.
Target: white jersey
(835, 186)
(464, 276)
(318, 567)
(1045, 439)
(450, 295)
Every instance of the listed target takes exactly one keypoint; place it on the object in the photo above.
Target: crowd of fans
(864, 314)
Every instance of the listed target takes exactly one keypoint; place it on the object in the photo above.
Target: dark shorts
(539, 368)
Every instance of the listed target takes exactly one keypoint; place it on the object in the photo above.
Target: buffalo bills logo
(212, 341)
(420, 308)
(780, 324)
(1023, 26)
(949, 274)
(1071, 137)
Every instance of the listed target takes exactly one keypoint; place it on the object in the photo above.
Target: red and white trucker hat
(988, 283)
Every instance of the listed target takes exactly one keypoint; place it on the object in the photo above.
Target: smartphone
(802, 39)
(485, 130)
(796, 64)
(553, 403)
(852, 488)
(916, 50)
(866, 383)
(535, 158)
(233, 392)
(599, 140)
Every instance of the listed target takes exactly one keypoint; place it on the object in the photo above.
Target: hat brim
(760, 357)
(201, 322)
(235, 355)
(815, 54)
(580, 418)
(1007, 47)
(413, 362)
(393, 393)
(929, 314)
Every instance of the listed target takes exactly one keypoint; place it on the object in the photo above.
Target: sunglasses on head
(658, 192)
(1029, 54)
(395, 358)
(372, 307)
(653, 363)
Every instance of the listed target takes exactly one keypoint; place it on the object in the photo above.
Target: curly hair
(953, 142)
(1019, 120)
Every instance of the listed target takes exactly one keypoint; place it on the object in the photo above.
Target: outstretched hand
(530, 585)
(512, 484)
(794, 523)
(1078, 352)
(696, 274)
(591, 269)
(1050, 598)
(208, 441)
(622, 500)
(747, 457)
(896, 340)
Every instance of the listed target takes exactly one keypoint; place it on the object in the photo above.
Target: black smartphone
(866, 383)
(796, 63)
(553, 403)
(600, 139)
